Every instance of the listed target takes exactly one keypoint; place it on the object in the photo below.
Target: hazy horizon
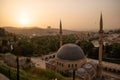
(75, 14)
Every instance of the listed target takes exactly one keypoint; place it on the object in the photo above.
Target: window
(75, 65)
(72, 65)
(62, 65)
(53, 56)
(68, 65)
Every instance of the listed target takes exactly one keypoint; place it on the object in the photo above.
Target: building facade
(71, 57)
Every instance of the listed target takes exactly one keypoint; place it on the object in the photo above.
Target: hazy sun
(24, 21)
(24, 18)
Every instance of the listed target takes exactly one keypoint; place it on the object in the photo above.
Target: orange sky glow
(75, 14)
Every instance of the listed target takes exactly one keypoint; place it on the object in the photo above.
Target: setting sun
(24, 21)
(75, 14)
(24, 18)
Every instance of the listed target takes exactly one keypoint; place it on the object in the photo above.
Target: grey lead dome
(70, 52)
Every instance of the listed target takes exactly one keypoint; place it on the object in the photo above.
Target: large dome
(70, 52)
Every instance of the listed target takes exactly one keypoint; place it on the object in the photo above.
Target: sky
(74, 14)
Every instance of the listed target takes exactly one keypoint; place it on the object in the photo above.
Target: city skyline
(75, 15)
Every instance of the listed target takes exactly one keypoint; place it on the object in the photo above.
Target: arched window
(62, 65)
(57, 63)
(72, 65)
(53, 56)
(75, 65)
(68, 65)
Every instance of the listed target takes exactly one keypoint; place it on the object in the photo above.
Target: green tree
(87, 47)
(23, 47)
(115, 52)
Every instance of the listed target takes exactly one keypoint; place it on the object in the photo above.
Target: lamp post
(17, 60)
(73, 75)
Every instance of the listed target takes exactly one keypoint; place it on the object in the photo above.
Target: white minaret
(100, 47)
(60, 33)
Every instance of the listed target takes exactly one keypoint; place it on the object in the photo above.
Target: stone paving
(38, 62)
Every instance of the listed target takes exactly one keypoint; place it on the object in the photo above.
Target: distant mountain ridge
(37, 31)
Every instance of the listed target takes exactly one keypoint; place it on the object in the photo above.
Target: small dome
(70, 52)
(90, 69)
(93, 64)
(81, 72)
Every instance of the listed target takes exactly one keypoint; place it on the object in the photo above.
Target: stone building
(71, 57)
(70, 60)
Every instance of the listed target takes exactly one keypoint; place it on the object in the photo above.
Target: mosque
(70, 60)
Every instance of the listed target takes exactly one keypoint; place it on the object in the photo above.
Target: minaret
(100, 47)
(60, 33)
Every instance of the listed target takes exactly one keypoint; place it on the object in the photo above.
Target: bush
(30, 74)
(43, 74)
(5, 70)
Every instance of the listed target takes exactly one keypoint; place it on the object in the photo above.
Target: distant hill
(37, 31)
